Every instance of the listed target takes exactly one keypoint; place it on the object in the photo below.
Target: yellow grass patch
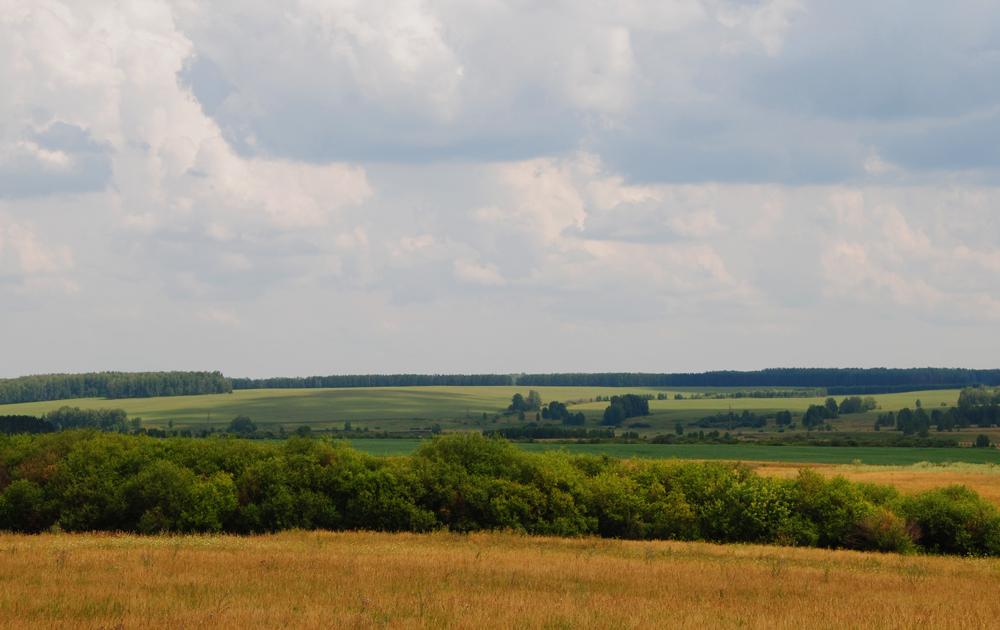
(331, 580)
(983, 478)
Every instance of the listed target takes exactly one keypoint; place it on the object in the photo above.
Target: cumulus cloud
(630, 185)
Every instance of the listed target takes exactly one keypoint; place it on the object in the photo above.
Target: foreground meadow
(362, 580)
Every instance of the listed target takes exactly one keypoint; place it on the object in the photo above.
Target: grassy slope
(362, 580)
(453, 407)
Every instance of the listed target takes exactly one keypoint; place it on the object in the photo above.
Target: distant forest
(111, 385)
(373, 380)
(835, 381)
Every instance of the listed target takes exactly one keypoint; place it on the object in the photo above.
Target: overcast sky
(335, 186)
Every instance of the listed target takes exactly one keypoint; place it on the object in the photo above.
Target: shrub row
(86, 481)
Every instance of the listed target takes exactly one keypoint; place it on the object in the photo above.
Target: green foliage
(556, 410)
(614, 416)
(954, 520)
(101, 419)
(242, 425)
(10, 425)
(92, 481)
(24, 508)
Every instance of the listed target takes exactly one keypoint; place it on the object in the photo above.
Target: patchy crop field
(366, 580)
(454, 408)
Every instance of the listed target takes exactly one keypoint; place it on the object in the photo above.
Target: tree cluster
(91, 481)
(856, 404)
(624, 407)
(977, 407)
(817, 415)
(114, 420)
(10, 425)
(732, 420)
(556, 410)
(520, 405)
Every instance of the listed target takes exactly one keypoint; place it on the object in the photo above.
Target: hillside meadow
(500, 580)
(453, 408)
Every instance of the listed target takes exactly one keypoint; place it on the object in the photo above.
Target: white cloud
(477, 273)
(349, 174)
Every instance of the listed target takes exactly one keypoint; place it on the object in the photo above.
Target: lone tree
(982, 441)
(242, 425)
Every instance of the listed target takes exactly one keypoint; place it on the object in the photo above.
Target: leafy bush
(954, 520)
(88, 480)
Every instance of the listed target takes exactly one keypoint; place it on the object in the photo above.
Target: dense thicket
(111, 385)
(90, 481)
(372, 380)
(837, 381)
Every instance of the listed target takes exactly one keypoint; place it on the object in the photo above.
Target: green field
(733, 452)
(453, 408)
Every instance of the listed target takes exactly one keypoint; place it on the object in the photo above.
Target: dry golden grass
(362, 580)
(983, 478)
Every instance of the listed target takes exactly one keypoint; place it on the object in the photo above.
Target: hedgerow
(90, 481)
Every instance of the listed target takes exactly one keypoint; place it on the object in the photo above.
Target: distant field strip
(395, 408)
(887, 456)
(365, 580)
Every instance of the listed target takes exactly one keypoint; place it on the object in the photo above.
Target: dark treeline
(111, 385)
(68, 418)
(10, 425)
(843, 381)
(372, 380)
(90, 481)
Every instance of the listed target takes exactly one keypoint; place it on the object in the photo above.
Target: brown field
(363, 580)
(983, 478)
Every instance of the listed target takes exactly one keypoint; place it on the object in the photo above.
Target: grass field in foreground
(402, 408)
(366, 580)
(734, 452)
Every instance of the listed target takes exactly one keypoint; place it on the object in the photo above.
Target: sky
(336, 186)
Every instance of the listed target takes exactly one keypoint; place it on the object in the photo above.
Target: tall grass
(496, 580)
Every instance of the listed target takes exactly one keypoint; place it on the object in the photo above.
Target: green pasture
(733, 452)
(403, 408)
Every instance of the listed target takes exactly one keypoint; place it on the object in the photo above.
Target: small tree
(832, 408)
(982, 441)
(614, 415)
(242, 425)
(534, 401)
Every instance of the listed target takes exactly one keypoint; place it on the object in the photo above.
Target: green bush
(23, 508)
(954, 520)
(87, 481)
